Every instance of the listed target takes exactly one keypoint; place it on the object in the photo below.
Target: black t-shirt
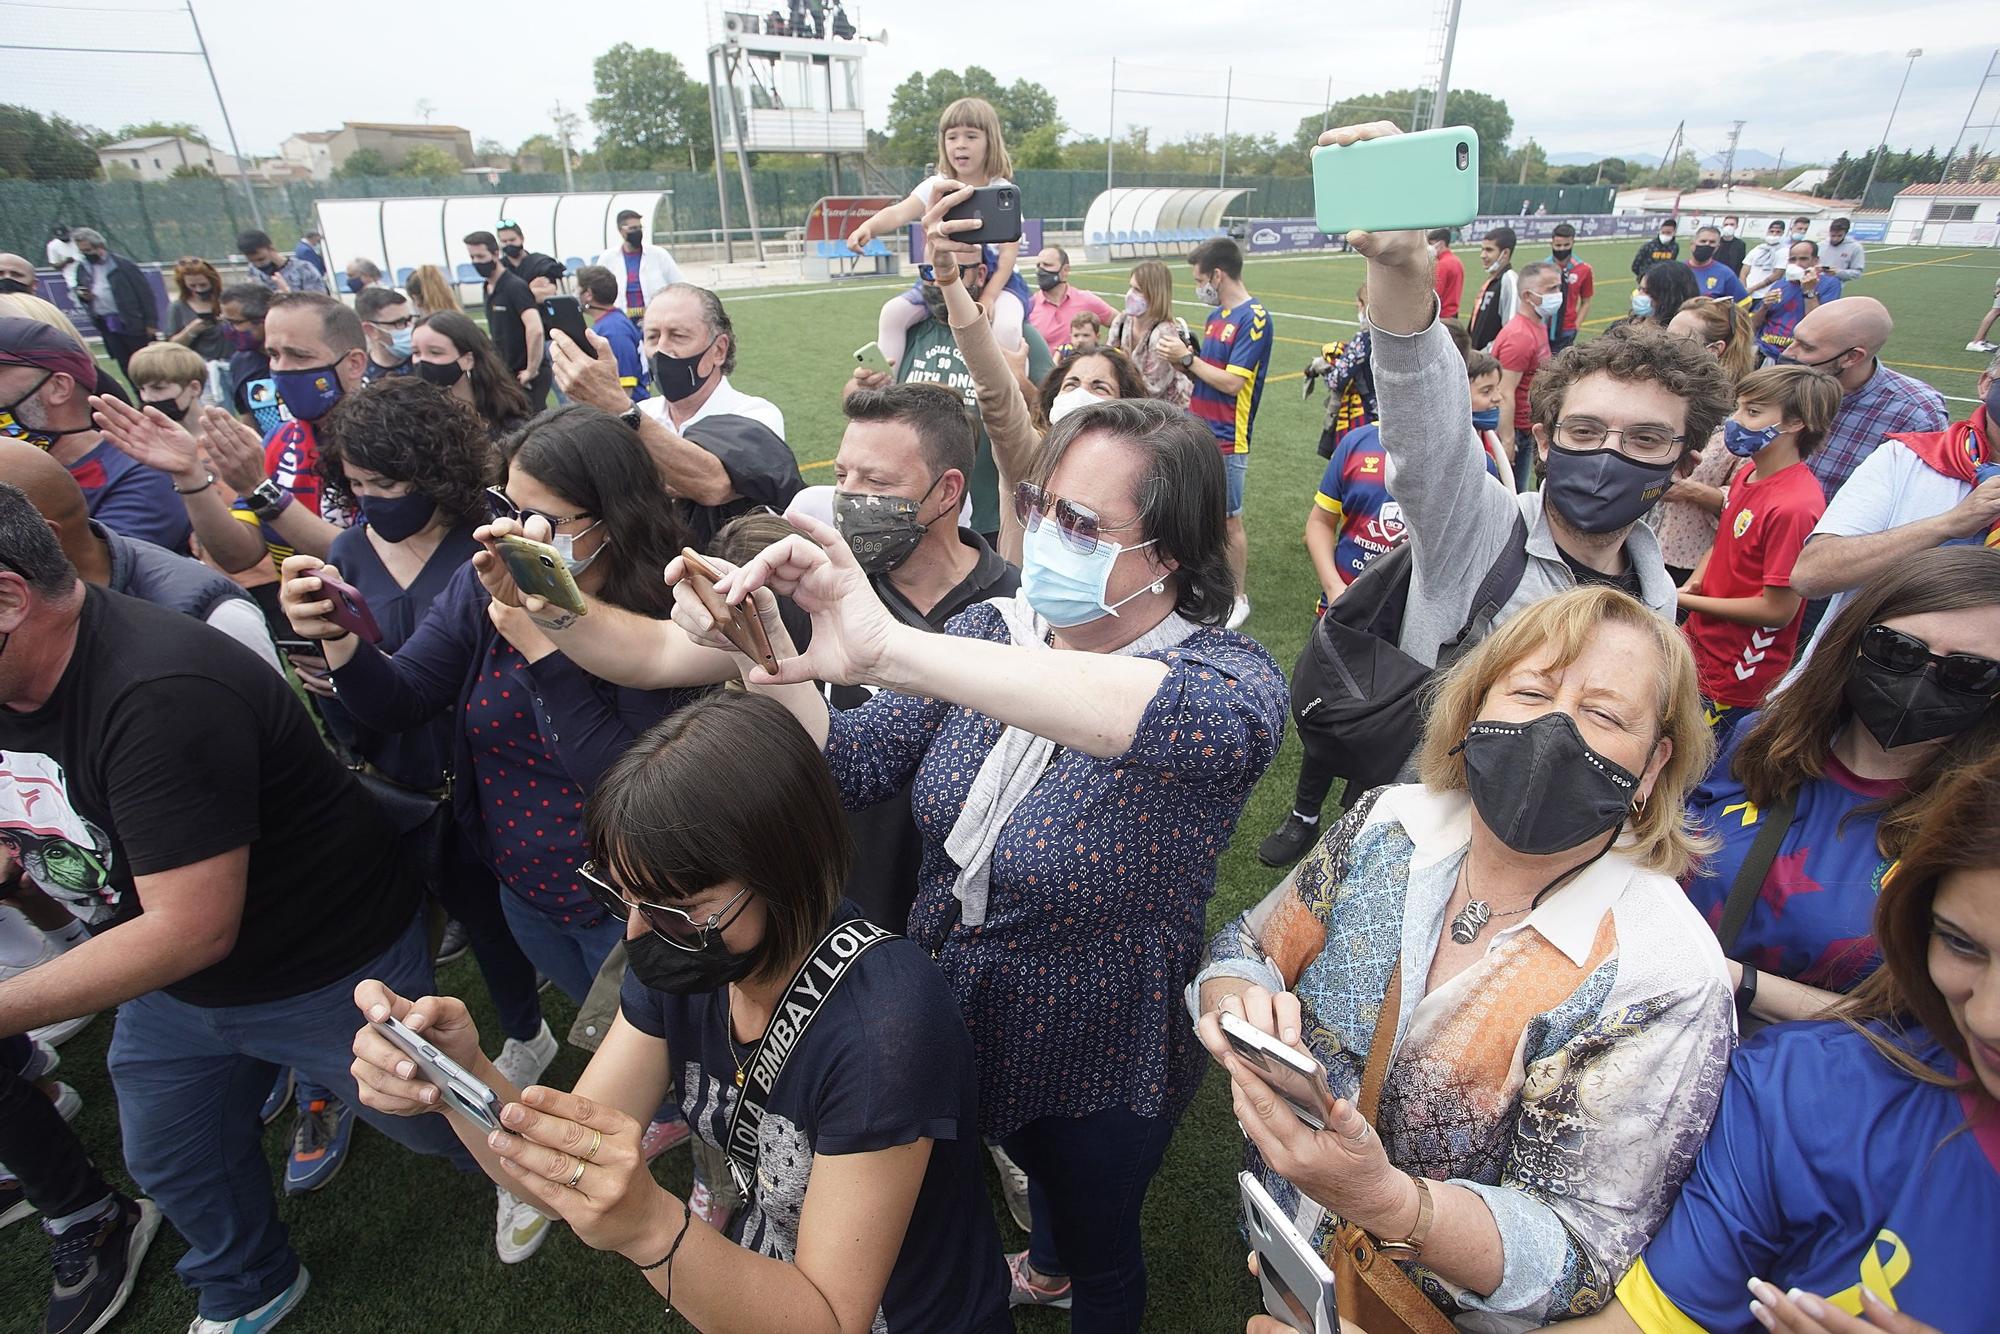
(1626, 582)
(887, 1062)
(509, 300)
(166, 743)
(888, 847)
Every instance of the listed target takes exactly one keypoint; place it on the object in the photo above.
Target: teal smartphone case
(1407, 182)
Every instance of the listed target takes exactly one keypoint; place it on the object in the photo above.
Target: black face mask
(1047, 280)
(679, 377)
(1601, 490)
(16, 285)
(1560, 256)
(1904, 708)
(1704, 253)
(443, 374)
(485, 267)
(635, 238)
(1540, 788)
(678, 972)
(513, 251)
(170, 408)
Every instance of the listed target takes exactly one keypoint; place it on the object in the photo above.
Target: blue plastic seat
(1098, 238)
(467, 276)
(403, 275)
(572, 264)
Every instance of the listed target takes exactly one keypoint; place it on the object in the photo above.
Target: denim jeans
(1087, 1180)
(190, 1080)
(472, 896)
(569, 955)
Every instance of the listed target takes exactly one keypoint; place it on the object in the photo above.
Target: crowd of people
(1646, 952)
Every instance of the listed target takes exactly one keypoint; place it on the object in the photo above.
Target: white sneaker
(1013, 1187)
(523, 1062)
(518, 1229)
(1979, 345)
(68, 1102)
(62, 1030)
(1240, 613)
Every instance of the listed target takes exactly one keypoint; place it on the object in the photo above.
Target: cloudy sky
(1808, 80)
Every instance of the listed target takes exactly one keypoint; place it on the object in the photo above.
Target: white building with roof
(158, 157)
(1951, 214)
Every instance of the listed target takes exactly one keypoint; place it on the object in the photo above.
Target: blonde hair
(1723, 321)
(977, 113)
(1659, 836)
(1812, 396)
(1156, 284)
(166, 363)
(431, 291)
(27, 306)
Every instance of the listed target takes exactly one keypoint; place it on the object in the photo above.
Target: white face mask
(1666, 237)
(1494, 267)
(1728, 233)
(1068, 401)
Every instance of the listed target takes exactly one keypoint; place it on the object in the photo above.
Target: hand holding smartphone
(460, 1091)
(998, 210)
(739, 624)
(1298, 1287)
(1297, 1079)
(540, 569)
(1402, 182)
(566, 313)
(350, 610)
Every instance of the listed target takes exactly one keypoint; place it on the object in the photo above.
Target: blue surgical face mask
(1488, 420)
(308, 394)
(400, 343)
(1743, 442)
(1067, 587)
(1551, 302)
(1642, 305)
(565, 545)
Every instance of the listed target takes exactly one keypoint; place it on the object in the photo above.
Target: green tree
(1039, 147)
(45, 148)
(1608, 171)
(193, 171)
(366, 162)
(918, 102)
(428, 160)
(162, 129)
(649, 114)
(1486, 114)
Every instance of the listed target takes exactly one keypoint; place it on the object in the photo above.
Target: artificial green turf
(400, 1243)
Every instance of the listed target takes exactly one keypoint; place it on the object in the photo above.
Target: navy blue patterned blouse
(1099, 880)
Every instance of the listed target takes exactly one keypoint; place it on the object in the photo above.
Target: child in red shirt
(1743, 617)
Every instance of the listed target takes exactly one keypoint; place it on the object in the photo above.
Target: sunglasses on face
(1894, 651)
(1077, 526)
(673, 925)
(501, 506)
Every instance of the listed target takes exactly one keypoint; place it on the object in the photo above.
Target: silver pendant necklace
(1473, 918)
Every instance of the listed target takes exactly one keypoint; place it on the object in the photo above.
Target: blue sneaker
(319, 1144)
(279, 1098)
(263, 1318)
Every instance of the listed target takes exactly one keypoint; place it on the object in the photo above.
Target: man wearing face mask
(719, 450)
(62, 254)
(1450, 277)
(388, 323)
(363, 274)
(114, 291)
(1766, 258)
(643, 269)
(45, 384)
(1521, 348)
(1729, 249)
(1713, 277)
(16, 274)
(597, 293)
(1056, 304)
(1917, 490)
(513, 319)
(276, 271)
(1845, 338)
(900, 478)
(1579, 285)
(311, 249)
(1657, 249)
(1500, 293)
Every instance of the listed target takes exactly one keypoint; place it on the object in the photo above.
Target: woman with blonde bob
(1559, 1016)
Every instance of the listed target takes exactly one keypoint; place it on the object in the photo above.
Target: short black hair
(693, 802)
(1802, 218)
(1565, 229)
(1062, 256)
(1436, 234)
(486, 239)
(338, 324)
(1181, 495)
(28, 546)
(1503, 237)
(372, 301)
(1674, 223)
(410, 431)
(625, 213)
(598, 282)
(1217, 254)
(513, 227)
(945, 435)
(1841, 223)
(252, 240)
(1672, 285)
(254, 298)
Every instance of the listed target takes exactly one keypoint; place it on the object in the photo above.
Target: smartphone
(1407, 182)
(741, 624)
(998, 208)
(460, 1091)
(1298, 1287)
(349, 612)
(539, 568)
(1298, 1079)
(289, 644)
(872, 356)
(566, 313)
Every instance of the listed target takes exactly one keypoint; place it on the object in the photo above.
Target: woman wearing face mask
(1852, 1175)
(867, 1204)
(195, 319)
(1558, 1016)
(1662, 291)
(1080, 754)
(450, 351)
(1900, 691)
(1149, 299)
(1080, 379)
(1685, 519)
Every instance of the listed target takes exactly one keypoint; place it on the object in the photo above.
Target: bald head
(15, 269)
(1843, 338)
(53, 492)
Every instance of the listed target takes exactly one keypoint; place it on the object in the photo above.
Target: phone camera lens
(547, 563)
(1464, 154)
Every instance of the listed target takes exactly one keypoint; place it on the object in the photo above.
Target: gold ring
(575, 1176)
(596, 1142)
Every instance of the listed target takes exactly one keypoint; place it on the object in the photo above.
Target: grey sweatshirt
(1456, 512)
(1845, 261)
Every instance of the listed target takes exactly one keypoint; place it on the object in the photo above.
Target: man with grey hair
(362, 273)
(719, 450)
(114, 292)
(1521, 346)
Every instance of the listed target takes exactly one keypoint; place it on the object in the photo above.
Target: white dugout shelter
(401, 234)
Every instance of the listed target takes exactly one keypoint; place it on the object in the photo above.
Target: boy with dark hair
(1743, 614)
(597, 292)
(1660, 249)
(1579, 285)
(1499, 294)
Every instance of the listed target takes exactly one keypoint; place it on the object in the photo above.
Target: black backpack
(1356, 697)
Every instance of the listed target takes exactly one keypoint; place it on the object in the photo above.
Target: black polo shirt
(506, 302)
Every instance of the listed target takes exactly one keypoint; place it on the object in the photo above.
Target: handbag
(1373, 1291)
(422, 821)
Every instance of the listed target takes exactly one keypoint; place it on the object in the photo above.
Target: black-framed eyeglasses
(1077, 526)
(676, 926)
(1894, 651)
(1649, 443)
(501, 506)
(408, 321)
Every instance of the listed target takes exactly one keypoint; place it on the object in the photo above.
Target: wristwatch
(1412, 1246)
(267, 500)
(631, 416)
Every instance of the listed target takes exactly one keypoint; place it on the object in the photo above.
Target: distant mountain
(1747, 159)
(1585, 159)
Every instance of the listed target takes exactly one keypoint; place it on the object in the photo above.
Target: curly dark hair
(1641, 354)
(411, 431)
(495, 392)
(1130, 383)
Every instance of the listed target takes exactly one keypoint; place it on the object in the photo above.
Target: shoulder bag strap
(1502, 578)
(1377, 1067)
(1756, 865)
(816, 979)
